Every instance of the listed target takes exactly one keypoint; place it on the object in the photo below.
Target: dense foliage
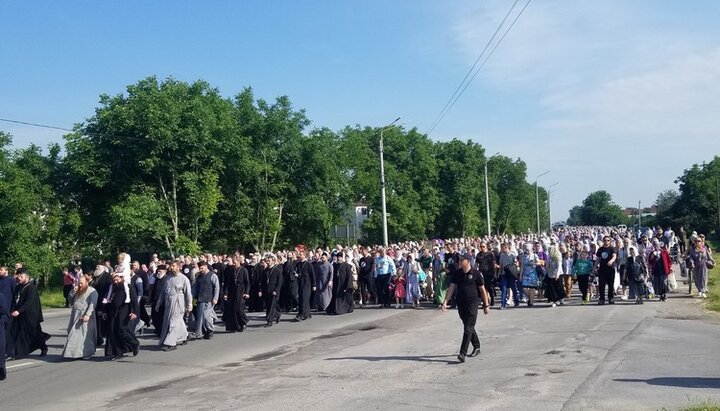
(176, 167)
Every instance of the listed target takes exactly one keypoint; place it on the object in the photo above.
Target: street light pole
(537, 200)
(487, 193)
(382, 182)
(549, 210)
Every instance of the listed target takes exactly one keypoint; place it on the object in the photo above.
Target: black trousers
(468, 311)
(4, 320)
(606, 278)
(272, 311)
(66, 294)
(583, 282)
(381, 285)
(367, 287)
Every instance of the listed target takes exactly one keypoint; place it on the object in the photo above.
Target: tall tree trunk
(280, 213)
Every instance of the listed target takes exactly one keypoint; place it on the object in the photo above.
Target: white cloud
(619, 101)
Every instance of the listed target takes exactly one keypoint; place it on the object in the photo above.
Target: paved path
(565, 358)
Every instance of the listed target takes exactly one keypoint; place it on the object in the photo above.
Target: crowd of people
(184, 298)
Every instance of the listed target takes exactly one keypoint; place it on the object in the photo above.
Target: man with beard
(175, 301)
(156, 292)
(365, 277)
(7, 289)
(237, 294)
(272, 285)
(26, 335)
(485, 263)
(120, 314)
(206, 291)
(142, 273)
(323, 282)
(187, 269)
(306, 285)
(342, 301)
(101, 282)
(289, 292)
(256, 276)
(230, 289)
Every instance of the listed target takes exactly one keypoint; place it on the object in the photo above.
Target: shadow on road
(684, 382)
(418, 358)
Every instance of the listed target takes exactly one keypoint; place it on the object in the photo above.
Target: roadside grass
(703, 406)
(712, 302)
(52, 298)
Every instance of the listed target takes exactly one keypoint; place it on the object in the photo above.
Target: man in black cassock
(306, 285)
(229, 293)
(272, 284)
(7, 289)
(255, 304)
(289, 292)
(26, 335)
(158, 314)
(119, 312)
(101, 282)
(242, 294)
(342, 300)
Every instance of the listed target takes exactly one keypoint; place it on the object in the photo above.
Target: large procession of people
(186, 298)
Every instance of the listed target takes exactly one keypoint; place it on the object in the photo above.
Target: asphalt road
(620, 357)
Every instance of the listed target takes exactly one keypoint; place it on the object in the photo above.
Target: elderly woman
(700, 256)
(529, 261)
(82, 328)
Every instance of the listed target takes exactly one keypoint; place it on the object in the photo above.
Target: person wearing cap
(206, 291)
(470, 288)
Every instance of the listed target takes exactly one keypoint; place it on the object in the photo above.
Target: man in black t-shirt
(470, 288)
(605, 266)
(485, 263)
(365, 276)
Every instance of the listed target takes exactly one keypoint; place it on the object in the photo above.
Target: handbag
(710, 264)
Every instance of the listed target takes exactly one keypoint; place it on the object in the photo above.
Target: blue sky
(611, 95)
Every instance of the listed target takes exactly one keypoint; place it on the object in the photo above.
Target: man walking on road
(206, 291)
(470, 288)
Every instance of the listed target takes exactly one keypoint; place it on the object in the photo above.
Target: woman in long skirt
(699, 257)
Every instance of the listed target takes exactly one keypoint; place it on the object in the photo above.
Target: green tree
(597, 209)
(163, 140)
(698, 206)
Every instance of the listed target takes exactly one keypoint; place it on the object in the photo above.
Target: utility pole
(382, 182)
(639, 215)
(537, 200)
(487, 193)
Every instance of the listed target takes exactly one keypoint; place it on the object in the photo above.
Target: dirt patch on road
(682, 307)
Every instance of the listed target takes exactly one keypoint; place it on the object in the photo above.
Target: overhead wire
(444, 112)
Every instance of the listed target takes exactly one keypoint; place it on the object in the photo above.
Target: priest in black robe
(306, 285)
(101, 282)
(272, 284)
(289, 292)
(255, 304)
(342, 299)
(7, 290)
(242, 294)
(119, 313)
(229, 293)
(26, 335)
(158, 315)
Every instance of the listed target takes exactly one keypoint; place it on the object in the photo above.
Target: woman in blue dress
(528, 273)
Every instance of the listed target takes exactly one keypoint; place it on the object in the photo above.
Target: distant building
(646, 211)
(351, 231)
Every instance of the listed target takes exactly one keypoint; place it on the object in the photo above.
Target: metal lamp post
(537, 200)
(487, 193)
(382, 182)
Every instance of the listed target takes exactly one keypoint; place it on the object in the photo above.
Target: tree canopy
(597, 209)
(176, 167)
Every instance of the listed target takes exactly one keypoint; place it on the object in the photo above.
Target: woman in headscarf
(636, 274)
(553, 289)
(699, 258)
(529, 262)
(661, 268)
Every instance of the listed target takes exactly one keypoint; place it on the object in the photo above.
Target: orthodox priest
(272, 285)
(306, 285)
(342, 293)
(26, 335)
(175, 301)
(7, 289)
(120, 312)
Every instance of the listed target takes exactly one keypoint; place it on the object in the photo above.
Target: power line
(447, 104)
(26, 123)
(444, 113)
(35, 124)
